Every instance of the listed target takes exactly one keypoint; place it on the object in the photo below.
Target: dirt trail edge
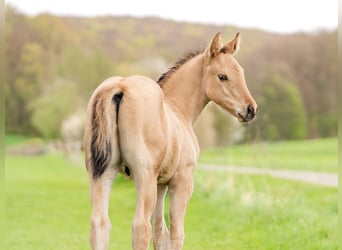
(318, 178)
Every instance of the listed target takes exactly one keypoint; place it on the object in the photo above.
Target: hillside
(293, 77)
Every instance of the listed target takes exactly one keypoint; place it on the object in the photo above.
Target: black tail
(102, 131)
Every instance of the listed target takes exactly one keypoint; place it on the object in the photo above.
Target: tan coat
(144, 130)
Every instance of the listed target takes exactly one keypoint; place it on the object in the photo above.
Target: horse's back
(139, 93)
(141, 110)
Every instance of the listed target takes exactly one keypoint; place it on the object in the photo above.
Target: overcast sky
(278, 15)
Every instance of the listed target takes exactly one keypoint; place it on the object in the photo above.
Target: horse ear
(215, 46)
(233, 46)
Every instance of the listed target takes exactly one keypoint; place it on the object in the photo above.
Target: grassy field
(312, 155)
(47, 207)
(19, 139)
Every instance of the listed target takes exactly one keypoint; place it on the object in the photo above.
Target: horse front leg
(146, 197)
(100, 224)
(161, 235)
(180, 190)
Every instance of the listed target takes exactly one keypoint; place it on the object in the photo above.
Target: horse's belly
(166, 172)
(184, 156)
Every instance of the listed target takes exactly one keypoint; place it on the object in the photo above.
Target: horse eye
(222, 77)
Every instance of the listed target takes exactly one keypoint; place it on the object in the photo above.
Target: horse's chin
(244, 120)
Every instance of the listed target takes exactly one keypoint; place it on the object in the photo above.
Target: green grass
(311, 155)
(13, 139)
(258, 212)
(47, 207)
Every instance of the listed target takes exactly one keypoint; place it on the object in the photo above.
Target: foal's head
(225, 81)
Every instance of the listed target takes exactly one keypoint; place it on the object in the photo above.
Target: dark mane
(177, 65)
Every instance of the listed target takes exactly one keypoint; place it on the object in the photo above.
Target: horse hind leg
(146, 197)
(100, 224)
(102, 154)
(101, 175)
(161, 235)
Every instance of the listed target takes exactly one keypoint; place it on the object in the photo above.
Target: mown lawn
(47, 207)
(311, 155)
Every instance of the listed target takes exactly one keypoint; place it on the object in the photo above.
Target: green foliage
(282, 113)
(51, 108)
(54, 34)
(235, 211)
(326, 124)
(307, 60)
(25, 86)
(29, 79)
(87, 69)
(40, 50)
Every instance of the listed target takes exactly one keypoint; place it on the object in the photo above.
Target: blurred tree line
(54, 63)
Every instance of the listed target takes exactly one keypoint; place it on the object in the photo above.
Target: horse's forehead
(229, 62)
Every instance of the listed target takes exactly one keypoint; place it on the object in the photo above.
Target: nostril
(250, 111)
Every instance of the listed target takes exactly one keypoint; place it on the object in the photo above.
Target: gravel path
(317, 178)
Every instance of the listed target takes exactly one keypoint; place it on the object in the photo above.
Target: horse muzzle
(249, 115)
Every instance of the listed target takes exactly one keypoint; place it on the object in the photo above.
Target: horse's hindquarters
(142, 125)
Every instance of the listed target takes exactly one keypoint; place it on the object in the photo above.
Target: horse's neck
(184, 91)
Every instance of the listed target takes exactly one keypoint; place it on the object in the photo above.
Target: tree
(57, 103)
(282, 113)
(41, 50)
(25, 87)
(87, 69)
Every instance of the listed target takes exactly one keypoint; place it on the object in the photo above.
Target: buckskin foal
(144, 130)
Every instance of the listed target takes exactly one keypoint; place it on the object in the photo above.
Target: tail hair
(102, 130)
